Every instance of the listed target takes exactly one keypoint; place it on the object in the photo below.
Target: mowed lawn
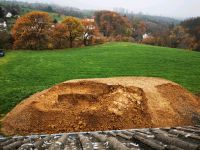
(23, 73)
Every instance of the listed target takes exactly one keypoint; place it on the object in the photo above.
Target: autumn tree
(2, 12)
(179, 37)
(59, 36)
(55, 21)
(6, 40)
(32, 31)
(140, 29)
(150, 40)
(112, 23)
(90, 31)
(193, 27)
(74, 29)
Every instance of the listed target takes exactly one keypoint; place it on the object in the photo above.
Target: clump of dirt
(198, 95)
(181, 101)
(103, 104)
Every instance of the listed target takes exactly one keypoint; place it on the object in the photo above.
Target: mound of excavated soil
(104, 104)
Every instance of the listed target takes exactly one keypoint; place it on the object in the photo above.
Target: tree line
(38, 30)
(52, 8)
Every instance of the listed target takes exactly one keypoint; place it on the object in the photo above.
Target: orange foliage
(32, 31)
(113, 24)
(150, 40)
(74, 29)
(59, 35)
(179, 37)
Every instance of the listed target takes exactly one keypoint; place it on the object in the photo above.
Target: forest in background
(117, 25)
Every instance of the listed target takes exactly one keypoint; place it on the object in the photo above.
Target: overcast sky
(171, 8)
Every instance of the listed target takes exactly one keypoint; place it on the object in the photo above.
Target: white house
(9, 15)
(91, 26)
(145, 36)
(3, 24)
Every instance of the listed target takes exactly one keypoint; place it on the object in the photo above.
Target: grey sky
(171, 8)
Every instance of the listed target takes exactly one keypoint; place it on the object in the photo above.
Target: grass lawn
(23, 73)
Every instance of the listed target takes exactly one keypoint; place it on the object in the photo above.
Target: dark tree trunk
(85, 41)
(71, 40)
(71, 43)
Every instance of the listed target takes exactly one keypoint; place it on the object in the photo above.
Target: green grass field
(23, 73)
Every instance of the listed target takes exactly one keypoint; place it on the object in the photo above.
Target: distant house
(9, 15)
(3, 25)
(91, 26)
(145, 36)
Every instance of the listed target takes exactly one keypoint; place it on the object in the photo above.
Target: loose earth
(104, 104)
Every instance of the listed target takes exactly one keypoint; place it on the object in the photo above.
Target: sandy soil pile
(104, 104)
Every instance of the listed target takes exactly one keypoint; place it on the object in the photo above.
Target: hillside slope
(23, 73)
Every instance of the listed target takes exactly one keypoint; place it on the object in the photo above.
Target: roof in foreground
(177, 138)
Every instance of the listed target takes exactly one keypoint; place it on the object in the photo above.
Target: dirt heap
(104, 104)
